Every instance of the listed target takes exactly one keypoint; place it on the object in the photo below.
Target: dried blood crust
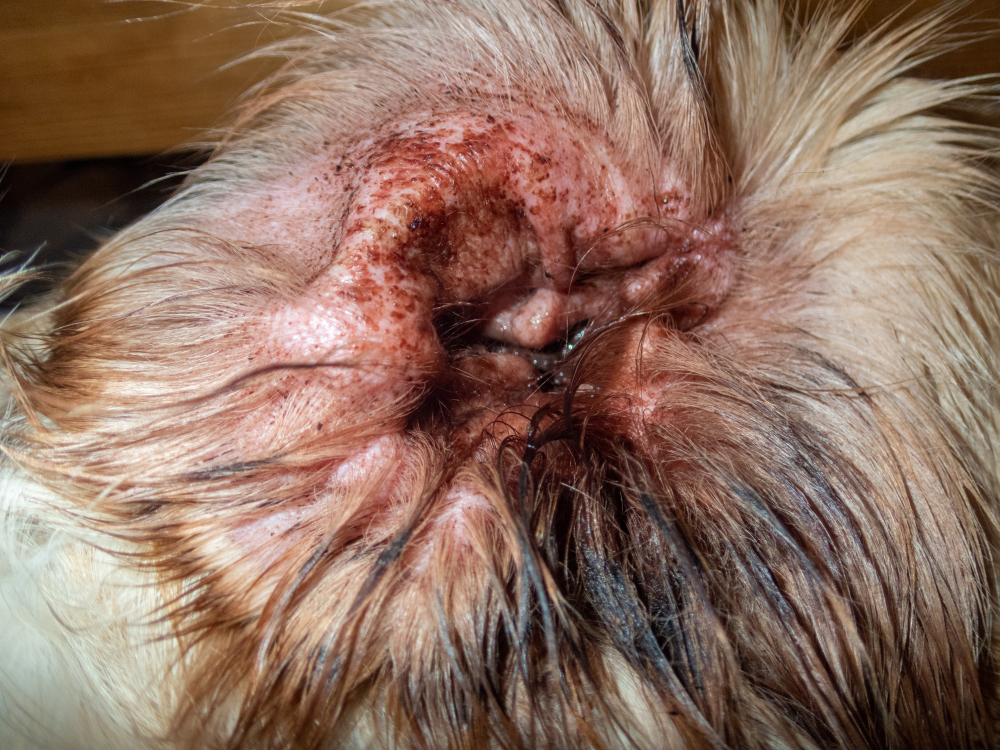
(511, 228)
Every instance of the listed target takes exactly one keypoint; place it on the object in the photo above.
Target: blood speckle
(493, 219)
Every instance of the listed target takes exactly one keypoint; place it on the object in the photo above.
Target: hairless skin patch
(460, 251)
(450, 250)
(511, 229)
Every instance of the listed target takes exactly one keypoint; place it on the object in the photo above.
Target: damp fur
(773, 526)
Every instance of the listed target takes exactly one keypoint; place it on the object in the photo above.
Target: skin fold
(527, 374)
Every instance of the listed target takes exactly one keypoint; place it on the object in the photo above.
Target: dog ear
(536, 374)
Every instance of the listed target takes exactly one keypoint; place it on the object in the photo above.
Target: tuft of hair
(800, 556)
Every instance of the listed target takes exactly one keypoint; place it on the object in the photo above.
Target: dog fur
(761, 517)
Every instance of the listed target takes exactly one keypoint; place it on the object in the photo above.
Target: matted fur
(790, 546)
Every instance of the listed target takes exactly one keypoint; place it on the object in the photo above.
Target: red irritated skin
(514, 228)
(527, 375)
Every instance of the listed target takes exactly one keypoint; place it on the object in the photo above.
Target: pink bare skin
(514, 228)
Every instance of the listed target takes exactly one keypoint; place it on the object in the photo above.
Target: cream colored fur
(868, 235)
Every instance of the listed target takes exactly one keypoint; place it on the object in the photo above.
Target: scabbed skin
(526, 375)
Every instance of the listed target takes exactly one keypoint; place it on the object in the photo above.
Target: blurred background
(98, 99)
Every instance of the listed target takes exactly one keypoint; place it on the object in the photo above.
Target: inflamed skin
(527, 375)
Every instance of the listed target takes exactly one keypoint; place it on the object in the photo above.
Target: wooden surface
(979, 20)
(87, 78)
